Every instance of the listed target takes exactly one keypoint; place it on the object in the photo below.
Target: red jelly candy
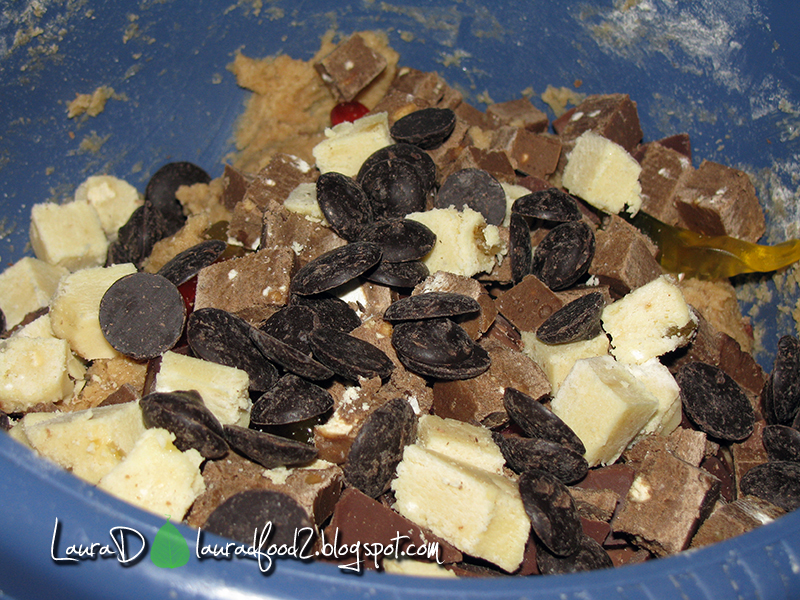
(347, 111)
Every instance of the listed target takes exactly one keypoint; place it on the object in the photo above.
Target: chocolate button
(344, 204)
(431, 305)
(426, 128)
(479, 362)
(551, 509)
(335, 267)
(520, 252)
(291, 400)
(527, 454)
(577, 321)
(476, 189)
(136, 238)
(564, 255)
(330, 310)
(289, 358)
(782, 392)
(349, 356)
(416, 157)
(550, 205)
(401, 240)
(162, 186)
(776, 481)
(537, 421)
(142, 315)
(398, 275)
(590, 556)
(188, 263)
(394, 189)
(782, 442)
(268, 450)
(433, 341)
(292, 325)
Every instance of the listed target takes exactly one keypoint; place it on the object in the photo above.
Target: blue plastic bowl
(725, 71)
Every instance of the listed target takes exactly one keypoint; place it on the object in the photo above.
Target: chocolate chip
(527, 454)
(344, 204)
(349, 356)
(520, 252)
(782, 391)
(185, 415)
(331, 311)
(292, 399)
(476, 364)
(398, 275)
(5, 422)
(401, 240)
(551, 509)
(782, 442)
(476, 189)
(714, 402)
(590, 556)
(136, 238)
(416, 157)
(426, 128)
(163, 185)
(537, 421)
(288, 357)
(188, 263)
(142, 315)
(775, 481)
(249, 512)
(564, 255)
(335, 267)
(577, 321)
(268, 450)
(378, 447)
(431, 305)
(292, 325)
(433, 341)
(221, 337)
(549, 205)
(394, 188)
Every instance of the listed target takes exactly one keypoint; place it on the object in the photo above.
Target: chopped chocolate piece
(613, 116)
(722, 470)
(431, 305)
(394, 188)
(426, 128)
(528, 304)
(288, 357)
(520, 251)
(476, 189)
(715, 402)
(378, 447)
(398, 275)
(331, 311)
(306, 238)
(188, 263)
(679, 142)
(413, 155)
(782, 442)
(518, 113)
(729, 520)
(234, 185)
(662, 169)
(564, 255)
(577, 321)
(590, 556)
(350, 67)
(550, 204)
(292, 399)
(617, 477)
(530, 153)
(777, 482)
(124, 393)
(349, 356)
(245, 223)
(242, 514)
(781, 395)
(551, 509)
(142, 315)
(495, 162)
(749, 453)
(527, 454)
(268, 450)
(598, 505)
(428, 86)
(344, 204)
(335, 268)
(161, 188)
(539, 422)
(401, 240)
(597, 530)
(292, 325)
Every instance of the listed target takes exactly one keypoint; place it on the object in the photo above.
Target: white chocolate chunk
(658, 380)
(68, 235)
(348, 145)
(557, 360)
(41, 327)
(26, 286)
(465, 244)
(649, 321)
(302, 200)
(33, 370)
(605, 406)
(156, 476)
(604, 174)
(224, 389)
(416, 568)
(75, 311)
(513, 192)
(479, 512)
(470, 444)
(90, 442)
(114, 200)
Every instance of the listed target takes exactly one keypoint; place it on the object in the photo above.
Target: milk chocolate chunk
(398, 275)
(528, 304)
(188, 263)
(715, 402)
(539, 422)
(775, 481)
(520, 251)
(268, 450)
(427, 128)
(662, 169)
(527, 454)
(413, 155)
(142, 315)
(551, 509)
(476, 189)
(564, 255)
(529, 153)
(350, 67)
(292, 399)
(349, 356)
(495, 162)
(518, 113)
(335, 267)
(431, 305)
(782, 442)
(781, 395)
(590, 556)
(288, 357)
(331, 311)
(736, 518)
(254, 510)
(550, 204)
(378, 447)
(162, 186)
(293, 325)
(185, 415)
(401, 240)
(136, 238)
(344, 204)
(614, 116)
(579, 320)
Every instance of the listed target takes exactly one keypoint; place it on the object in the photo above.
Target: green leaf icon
(170, 549)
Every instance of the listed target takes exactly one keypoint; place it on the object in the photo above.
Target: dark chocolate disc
(551, 509)
(479, 362)
(378, 447)
(335, 267)
(398, 275)
(248, 513)
(526, 454)
(782, 442)
(289, 358)
(520, 252)
(782, 392)
(142, 315)
(537, 421)
(433, 341)
(344, 204)
(349, 356)
(590, 556)
(188, 263)
(292, 399)
(163, 185)
(426, 128)
(415, 156)
(714, 402)
(221, 337)
(136, 238)
(268, 450)
(431, 305)
(401, 240)
(549, 205)
(564, 255)
(394, 189)
(292, 325)
(775, 481)
(577, 321)
(476, 189)
(330, 310)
